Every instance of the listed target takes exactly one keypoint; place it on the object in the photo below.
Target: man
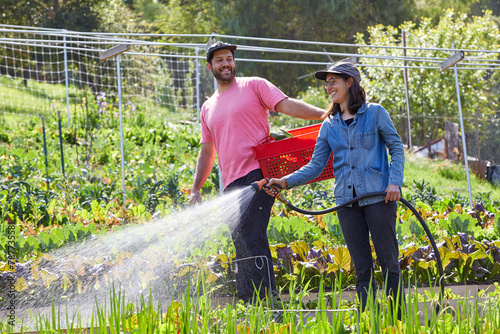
(233, 120)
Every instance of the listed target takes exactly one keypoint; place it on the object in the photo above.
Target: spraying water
(135, 259)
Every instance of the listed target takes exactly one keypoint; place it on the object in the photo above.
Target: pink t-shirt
(236, 120)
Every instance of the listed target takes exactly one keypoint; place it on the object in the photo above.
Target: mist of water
(134, 259)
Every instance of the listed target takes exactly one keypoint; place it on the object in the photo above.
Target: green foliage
(160, 164)
(433, 93)
(189, 17)
(457, 222)
(315, 196)
(463, 259)
(333, 228)
(497, 224)
(27, 247)
(150, 10)
(285, 230)
(409, 231)
(115, 16)
(305, 313)
(420, 170)
(315, 96)
(452, 172)
(79, 15)
(23, 202)
(434, 8)
(424, 193)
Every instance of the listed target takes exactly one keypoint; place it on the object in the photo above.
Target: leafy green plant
(457, 222)
(28, 246)
(173, 188)
(424, 192)
(333, 229)
(149, 192)
(288, 229)
(316, 196)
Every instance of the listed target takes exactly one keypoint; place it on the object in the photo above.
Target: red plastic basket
(282, 157)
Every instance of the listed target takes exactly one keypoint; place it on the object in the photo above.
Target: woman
(359, 134)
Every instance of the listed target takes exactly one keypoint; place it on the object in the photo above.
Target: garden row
(47, 216)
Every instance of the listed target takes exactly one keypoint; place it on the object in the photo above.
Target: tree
(433, 95)
(434, 8)
(311, 20)
(187, 17)
(79, 15)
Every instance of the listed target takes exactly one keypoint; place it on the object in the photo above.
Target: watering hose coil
(259, 185)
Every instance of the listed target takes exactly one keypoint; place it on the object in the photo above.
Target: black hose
(405, 202)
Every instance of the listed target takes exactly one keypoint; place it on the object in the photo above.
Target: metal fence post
(61, 141)
(197, 85)
(66, 79)
(443, 66)
(406, 91)
(116, 51)
(122, 159)
(466, 157)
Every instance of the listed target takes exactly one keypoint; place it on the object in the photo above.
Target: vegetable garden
(85, 248)
(45, 216)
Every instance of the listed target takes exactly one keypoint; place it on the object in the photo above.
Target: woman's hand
(272, 191)
(393, 193)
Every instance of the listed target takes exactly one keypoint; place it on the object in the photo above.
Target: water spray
(276, 189)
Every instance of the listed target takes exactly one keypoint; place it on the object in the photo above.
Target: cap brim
(228, 47)
(321, 75)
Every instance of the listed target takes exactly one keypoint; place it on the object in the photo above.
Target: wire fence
(70, 62)
(43, 69)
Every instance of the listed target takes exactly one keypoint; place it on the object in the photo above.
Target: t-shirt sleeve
(206, 135)
(269, 94)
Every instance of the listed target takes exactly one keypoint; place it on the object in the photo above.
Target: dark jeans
(379, 221)
(250, 239)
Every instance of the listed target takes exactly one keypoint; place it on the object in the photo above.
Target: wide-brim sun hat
(340, 67)
(219, 46)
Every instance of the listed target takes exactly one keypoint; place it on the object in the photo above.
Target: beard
(224, 78)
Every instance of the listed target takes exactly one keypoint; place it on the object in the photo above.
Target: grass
(33, 98)
(198, 314)
(446, 177)
(38, 98)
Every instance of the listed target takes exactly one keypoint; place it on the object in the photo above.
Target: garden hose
(258, 185)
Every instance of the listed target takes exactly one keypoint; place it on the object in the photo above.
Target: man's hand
(195, 197)
(206, 159)
(393, 193)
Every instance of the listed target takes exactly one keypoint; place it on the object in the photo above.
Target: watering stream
(135, 259)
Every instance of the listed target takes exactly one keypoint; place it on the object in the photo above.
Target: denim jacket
(359, 155)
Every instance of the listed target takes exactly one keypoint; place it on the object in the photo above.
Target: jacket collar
(360, 112)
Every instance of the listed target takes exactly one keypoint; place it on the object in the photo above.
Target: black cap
(340, 67)
(218, 46)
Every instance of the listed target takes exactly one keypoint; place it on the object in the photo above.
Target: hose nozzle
(262, 184)
(258, 185)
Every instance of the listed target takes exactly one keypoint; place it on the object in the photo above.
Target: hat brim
(229, 47)
(321, 75)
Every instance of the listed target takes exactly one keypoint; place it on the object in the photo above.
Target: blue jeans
(250, 239)
(379, 221)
